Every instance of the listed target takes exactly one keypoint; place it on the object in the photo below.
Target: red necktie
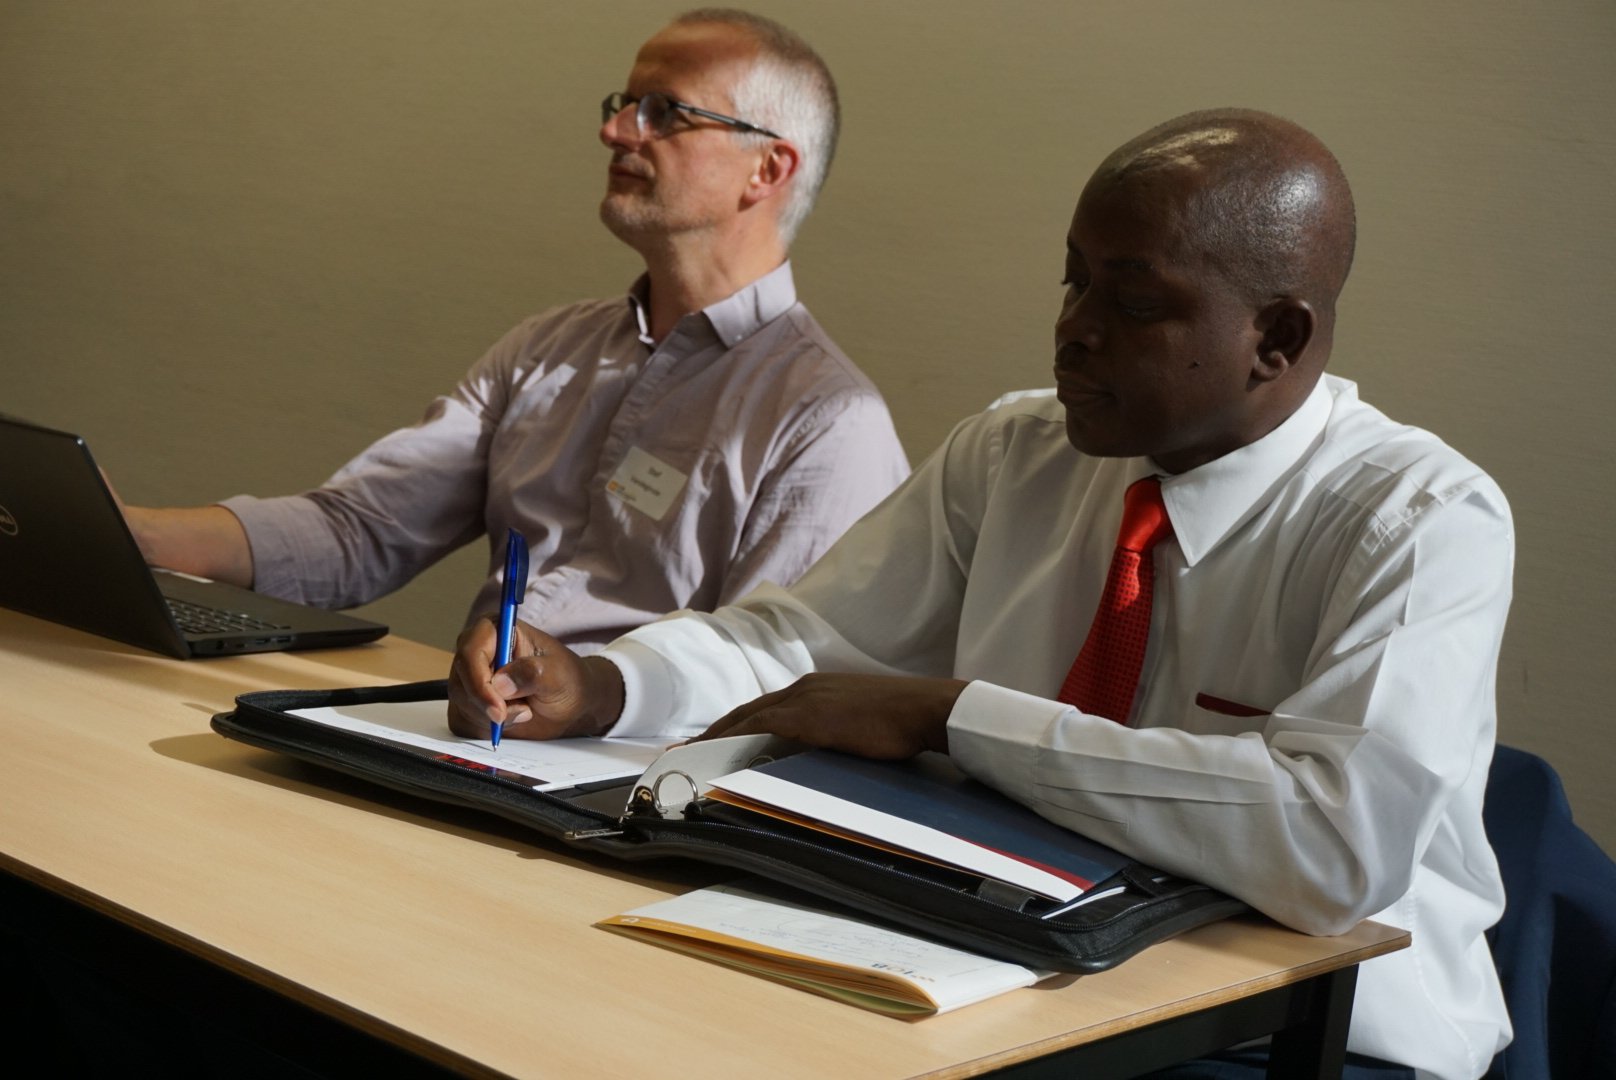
(1106, 671)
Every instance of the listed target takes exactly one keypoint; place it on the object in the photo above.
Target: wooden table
(352, 923)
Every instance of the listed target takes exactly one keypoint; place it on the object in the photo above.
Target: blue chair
(1555, 946)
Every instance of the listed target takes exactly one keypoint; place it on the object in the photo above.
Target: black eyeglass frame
(615, 102)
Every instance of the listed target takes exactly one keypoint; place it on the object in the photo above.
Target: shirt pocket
(1215, 715)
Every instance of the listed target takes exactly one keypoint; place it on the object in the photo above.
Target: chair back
(1555, 946)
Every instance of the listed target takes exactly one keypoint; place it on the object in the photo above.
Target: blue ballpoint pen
(510, 599)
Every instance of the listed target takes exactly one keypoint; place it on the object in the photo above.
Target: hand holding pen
(506, 671)
(514, 591)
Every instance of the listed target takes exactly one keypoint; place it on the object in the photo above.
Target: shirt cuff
(995, 734)
(258, 523)
(648, 689)
(277, 531)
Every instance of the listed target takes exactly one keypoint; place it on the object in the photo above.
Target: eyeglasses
(654, 114)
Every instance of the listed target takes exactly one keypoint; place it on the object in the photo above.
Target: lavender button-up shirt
(645, 477)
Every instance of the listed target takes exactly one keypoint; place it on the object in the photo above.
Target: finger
(503, 690)
(474, 666)
(465, 712)
(731, 722)
(546, 689)
(107, 480)
(524, 677)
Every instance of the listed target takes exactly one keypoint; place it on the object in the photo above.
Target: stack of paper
(839, 956)
(928, 808)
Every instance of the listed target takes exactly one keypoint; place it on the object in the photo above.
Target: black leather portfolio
(667, 815)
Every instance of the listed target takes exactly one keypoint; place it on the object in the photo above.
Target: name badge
(646, 484)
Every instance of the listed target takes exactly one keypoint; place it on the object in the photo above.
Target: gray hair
(788, 90)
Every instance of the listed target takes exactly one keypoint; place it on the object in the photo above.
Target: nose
(1077, 323)
(621, 131)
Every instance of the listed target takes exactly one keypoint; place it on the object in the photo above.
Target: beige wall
(316, 214)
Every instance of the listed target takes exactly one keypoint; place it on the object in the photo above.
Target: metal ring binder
(657, 804)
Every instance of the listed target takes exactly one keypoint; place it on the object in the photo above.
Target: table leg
(1308, 1021)
(1315, 1047)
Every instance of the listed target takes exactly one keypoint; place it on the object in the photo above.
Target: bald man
(1314, 717)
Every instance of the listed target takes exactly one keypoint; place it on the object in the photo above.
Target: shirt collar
(639, 295)
(734, 318)
(1209, 502)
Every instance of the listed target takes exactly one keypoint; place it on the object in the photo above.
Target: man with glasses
(666, 450)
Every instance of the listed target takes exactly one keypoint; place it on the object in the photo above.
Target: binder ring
(656, 790)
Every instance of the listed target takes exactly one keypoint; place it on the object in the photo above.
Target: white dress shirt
(1343, 582)
(766, 441)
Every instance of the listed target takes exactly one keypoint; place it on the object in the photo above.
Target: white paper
(554, 763)
(897, 832)
(949, 977)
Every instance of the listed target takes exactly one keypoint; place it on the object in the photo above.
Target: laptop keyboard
(196, 619)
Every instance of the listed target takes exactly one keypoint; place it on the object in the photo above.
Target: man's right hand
(546, 692)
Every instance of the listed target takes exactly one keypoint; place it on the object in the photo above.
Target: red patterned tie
(1106, 671)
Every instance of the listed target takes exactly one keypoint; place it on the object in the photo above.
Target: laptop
(67, 556)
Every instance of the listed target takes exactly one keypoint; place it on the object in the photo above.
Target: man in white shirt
(1315, 714)
(709, 388)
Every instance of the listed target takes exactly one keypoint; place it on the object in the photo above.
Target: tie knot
(1144, 516)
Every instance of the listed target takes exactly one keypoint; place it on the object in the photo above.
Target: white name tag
(648, 485)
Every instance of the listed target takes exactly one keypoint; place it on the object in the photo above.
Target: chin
(625, 218)
(1087, 439)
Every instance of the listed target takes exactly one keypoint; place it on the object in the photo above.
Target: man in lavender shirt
(666, 450)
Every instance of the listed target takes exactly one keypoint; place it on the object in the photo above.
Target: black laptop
(67, 556)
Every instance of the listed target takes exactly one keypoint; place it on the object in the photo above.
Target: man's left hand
(874, 716)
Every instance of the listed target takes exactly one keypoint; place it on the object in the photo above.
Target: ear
(779, 163)
(1286, 325)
